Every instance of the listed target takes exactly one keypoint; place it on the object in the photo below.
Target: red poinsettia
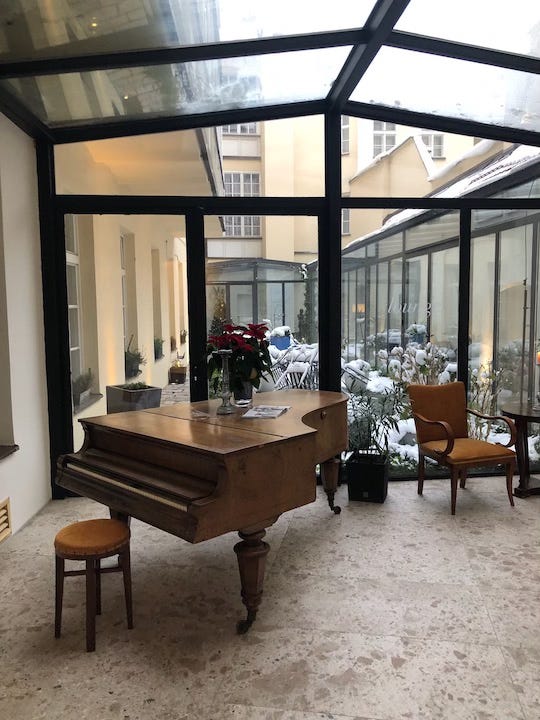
(250, 358)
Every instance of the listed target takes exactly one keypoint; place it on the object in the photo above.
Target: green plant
(80, 384)
(371, 418)
(250, 358)
(158, 348)
(132, 359)
(485, 384)
(135, 386)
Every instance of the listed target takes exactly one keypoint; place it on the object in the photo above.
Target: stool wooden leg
(90, 605)
(125, 562)
(59, 595)
(98, 587)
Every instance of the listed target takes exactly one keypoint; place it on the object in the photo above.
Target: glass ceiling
(92, 65)
(44, 27)
(187, 88)
(454, 88)
(511, 27)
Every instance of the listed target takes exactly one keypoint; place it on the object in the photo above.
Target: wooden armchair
(440, 417)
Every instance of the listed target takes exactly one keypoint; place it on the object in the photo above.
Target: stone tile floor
(385, 612)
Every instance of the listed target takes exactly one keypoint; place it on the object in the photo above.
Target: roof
(88, 69)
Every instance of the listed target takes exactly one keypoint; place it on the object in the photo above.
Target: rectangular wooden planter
(121, 399)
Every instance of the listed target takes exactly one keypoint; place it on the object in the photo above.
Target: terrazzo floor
(384, 612)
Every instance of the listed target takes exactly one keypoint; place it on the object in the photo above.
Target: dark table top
(526, 410)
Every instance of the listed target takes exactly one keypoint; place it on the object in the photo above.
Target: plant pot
(367, 477)
(131, 368)
(177, 375)
(121, 399)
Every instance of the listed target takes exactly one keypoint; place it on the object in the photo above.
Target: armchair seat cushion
(469, 450)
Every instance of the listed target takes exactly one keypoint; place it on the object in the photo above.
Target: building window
(242, 185)
(345, 135)
(384, 137)
(240, 129)
(434, 143)
(242, 225)
(73, 297)
(346, 221)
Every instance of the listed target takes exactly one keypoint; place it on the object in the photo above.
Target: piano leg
(251, 553)
(329, 478)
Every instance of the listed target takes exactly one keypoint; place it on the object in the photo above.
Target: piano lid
(197, 425)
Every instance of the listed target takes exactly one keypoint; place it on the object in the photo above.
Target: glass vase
(225, 408)
(243, 394)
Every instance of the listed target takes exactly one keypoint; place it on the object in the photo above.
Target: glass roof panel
(454, 88)
(53, 28)
(494, 24)
(187, 88)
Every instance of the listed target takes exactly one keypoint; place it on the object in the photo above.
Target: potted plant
(249, 359)
(371, 418)
(132, 396)
(178, 370)
(133, 358)
(80, 387)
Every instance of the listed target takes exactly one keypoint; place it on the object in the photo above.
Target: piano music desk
(198, 475)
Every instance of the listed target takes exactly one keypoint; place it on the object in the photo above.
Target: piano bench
(90, 541)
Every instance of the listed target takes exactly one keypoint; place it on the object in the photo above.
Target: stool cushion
(92, 537)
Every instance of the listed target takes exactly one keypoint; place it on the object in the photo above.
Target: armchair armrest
(508, 421)
(447, 429)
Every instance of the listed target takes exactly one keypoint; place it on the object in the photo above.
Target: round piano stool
(90, 541)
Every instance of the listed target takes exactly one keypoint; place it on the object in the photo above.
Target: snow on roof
(516, 158)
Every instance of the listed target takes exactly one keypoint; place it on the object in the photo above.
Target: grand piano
(198, 474)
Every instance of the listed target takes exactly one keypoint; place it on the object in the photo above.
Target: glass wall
(279, 294)
(504, 319)
(401, 319)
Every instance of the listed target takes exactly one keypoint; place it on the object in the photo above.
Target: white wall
(24, 475)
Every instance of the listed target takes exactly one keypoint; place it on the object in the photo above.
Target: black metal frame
(366, 42)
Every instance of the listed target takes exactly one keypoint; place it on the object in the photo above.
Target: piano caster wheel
(242, 626)
(330, 497)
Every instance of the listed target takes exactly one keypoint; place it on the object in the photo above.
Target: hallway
(383, 612)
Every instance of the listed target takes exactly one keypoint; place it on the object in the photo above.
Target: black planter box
(120, 399)
(367, 477)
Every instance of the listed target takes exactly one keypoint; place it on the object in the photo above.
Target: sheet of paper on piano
(266, 411)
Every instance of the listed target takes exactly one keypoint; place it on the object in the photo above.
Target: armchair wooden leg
(421, 471)
(454, 483)
(509, 478)
(462, 478)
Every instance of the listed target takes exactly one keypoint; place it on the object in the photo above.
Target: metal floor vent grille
(5, 520)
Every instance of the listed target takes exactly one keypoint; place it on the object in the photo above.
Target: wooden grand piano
(197, 475)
